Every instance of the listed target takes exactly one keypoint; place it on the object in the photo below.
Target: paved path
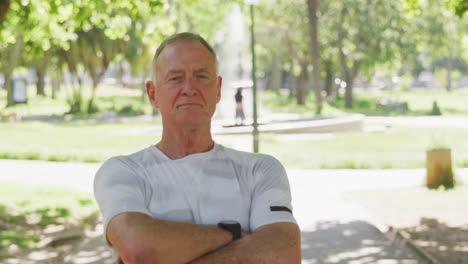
(333, 230)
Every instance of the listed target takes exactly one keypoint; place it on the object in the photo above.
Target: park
(365, 103)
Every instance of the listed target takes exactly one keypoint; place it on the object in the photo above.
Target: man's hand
(274, 243)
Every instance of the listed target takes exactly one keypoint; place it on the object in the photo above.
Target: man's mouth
(189, 105)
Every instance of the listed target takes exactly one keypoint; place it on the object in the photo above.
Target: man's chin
(193, 121)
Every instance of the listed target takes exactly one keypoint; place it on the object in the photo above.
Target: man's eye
(177, 78)
(202, 77)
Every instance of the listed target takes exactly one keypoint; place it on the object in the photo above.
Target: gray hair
(178, 38)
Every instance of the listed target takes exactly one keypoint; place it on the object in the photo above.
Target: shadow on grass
(23, 228)
(352, 242)
(446, 244)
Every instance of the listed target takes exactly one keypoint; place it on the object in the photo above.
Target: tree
(96, 53)
(287, 21)
(314, 49)
(32, 27)
(441, 37)
(366, 41)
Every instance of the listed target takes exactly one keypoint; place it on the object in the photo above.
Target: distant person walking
(240, 116)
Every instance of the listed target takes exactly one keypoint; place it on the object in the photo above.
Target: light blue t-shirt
(202, 188)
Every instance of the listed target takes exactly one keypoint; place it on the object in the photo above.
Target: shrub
(446, 180)
(435, 110)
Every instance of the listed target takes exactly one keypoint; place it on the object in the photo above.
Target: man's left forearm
(275, 243)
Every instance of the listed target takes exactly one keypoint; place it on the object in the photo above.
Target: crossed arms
(139, 238)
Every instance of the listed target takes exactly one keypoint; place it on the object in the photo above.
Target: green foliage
(446, 180)
(21, 239)
(75, 102)
(462, 163)
(435, 109)
(458, 6)
(129, 110)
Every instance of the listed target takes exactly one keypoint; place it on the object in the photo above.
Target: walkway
(333, 229)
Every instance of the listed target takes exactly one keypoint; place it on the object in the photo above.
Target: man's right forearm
(139, 238)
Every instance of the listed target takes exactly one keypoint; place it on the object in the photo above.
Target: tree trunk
(348, 92)
(329, 84)
(291, 79)
(275, 80)
(350, 76)
(301, 87)
(345, 75)
(449, 61)
(91, 107)
(121, 74)
(56, 80)
(13, 61)
(40, 74)
(328, 78)
(439, 168)
(313, 6)
(4, 6)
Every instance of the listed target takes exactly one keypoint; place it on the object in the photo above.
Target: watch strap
(233, 227)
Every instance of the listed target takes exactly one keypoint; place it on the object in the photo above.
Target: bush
(446, 180)
(129, 110)
(435, 110)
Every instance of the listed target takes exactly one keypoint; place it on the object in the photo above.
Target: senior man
(187, 199)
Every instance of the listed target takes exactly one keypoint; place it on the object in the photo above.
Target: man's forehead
(187, 47)
(179, 70)
(178, 55)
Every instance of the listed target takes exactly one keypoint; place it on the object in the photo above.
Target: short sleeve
(118, 189)
(271, 201)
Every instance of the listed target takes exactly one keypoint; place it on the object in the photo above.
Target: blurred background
(365, 86)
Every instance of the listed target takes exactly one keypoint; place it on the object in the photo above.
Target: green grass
(123, 101)
(406, 206)
(26, 211)
(72, 141)
(400, 148)
(419, 103)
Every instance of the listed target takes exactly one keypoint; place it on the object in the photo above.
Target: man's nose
(189, 87)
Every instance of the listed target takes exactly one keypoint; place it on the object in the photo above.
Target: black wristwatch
(232, 226)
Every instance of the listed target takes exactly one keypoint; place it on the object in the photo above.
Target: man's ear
(220, 84)
(151, 92)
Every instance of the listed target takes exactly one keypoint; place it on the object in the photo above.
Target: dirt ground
(445, 243)
(436, 220)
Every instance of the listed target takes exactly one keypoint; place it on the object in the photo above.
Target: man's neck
(178, 143)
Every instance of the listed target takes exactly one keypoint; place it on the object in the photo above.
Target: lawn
(397, 147)
(24, 216)
(73, 141)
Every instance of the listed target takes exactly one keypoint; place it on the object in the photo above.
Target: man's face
(187, 87)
